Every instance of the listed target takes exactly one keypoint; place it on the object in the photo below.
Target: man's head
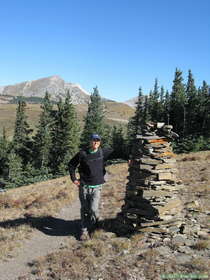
(95, 141)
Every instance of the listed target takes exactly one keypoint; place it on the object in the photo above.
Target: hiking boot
(84, 236)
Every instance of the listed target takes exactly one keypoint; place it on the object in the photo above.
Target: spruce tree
(94, 120)
(15, 170)
(106, 142)
(146, 111)
(57, 135)
(154, 103)
(65, 136)
(4, 147)
(22, 143)
(191, 105)
(137, 122)
(118, 143)
(178, 104)
(204, 109)
(43, 137)
(161, 105)
(166, 108)
(70, 133)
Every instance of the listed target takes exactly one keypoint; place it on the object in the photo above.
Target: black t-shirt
(91, 166)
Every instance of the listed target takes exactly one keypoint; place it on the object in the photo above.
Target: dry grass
(194, 172)
(194, 169)
(37, 200)
(202, 245)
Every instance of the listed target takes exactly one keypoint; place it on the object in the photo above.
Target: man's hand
(77, 183)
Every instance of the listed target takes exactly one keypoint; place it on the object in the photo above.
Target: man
(91, 171)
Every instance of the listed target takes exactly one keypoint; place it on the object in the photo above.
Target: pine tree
(57, 135)
(178, 104)
(161, 107)
(107, 135)
(146, 111)
(118, 143)
(155, 106)
(191, 105)
(94, 120)
(65, 136)
(22, 143)
(166, 108)
(204, 109)
(4, 147)
(70, 133)
(137, 121)
(15, 170)
(43, 137)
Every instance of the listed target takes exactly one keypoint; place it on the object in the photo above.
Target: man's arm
(73, 163)
(107, 152)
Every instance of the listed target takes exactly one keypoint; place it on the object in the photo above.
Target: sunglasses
(96, 140)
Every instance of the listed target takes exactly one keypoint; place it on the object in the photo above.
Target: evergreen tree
(70, 133)
(118, 143)
(57, 134)
(21, 141)
(4, 145)
(204, 109)
(94, 120)
(146, 111)
(155, 104)
(65, 136)
(137, 121)
(178, 104)
(43, 137)
(192, 103)
(15, 170)
(107, 141)
(166, 108)
(161, 107)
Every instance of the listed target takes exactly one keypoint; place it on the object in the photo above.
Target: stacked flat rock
(152, 201)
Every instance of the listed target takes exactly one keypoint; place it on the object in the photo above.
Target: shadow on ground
(59, 227)
(48, 225)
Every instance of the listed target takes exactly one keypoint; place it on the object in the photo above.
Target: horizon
(117, 45)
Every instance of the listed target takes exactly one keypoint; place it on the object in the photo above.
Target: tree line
(186, 107)
(28, 159)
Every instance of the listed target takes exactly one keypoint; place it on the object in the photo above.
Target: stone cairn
(152, 202)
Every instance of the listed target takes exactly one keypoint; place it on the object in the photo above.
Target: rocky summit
(55, 85)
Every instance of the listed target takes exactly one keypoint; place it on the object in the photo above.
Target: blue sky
(117, 45)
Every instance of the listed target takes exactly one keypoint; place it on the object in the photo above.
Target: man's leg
(95, 199)
(84, 210)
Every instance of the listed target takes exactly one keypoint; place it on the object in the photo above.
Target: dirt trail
(50, 237)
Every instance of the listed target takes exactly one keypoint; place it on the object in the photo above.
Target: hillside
(116, 113)
(30, 213)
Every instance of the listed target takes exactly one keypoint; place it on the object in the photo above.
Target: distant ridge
(131, 102)
(55, 85)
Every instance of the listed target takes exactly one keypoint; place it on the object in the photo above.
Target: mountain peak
(55, 85)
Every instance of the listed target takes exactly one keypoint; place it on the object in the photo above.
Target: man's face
(95, 144)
